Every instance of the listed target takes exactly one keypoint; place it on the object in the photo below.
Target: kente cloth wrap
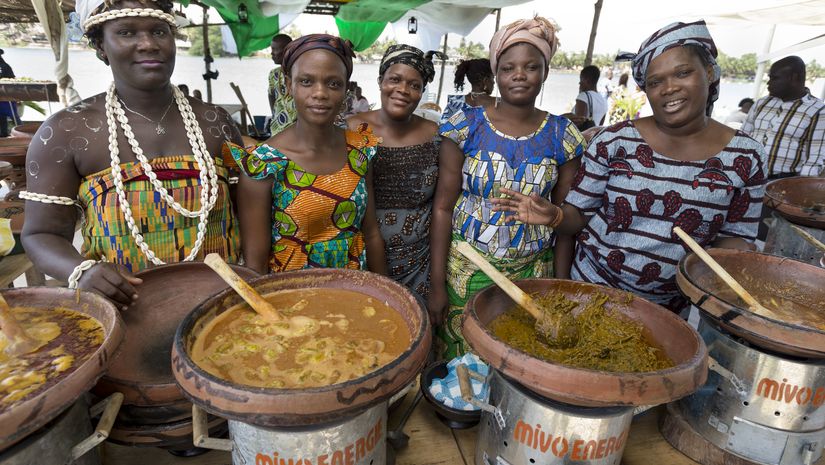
(412, 57)
(169, 234)
(464, 279)
(538, 32)
(340, 47)
(316, 218)
(404, 180)
(675, 35)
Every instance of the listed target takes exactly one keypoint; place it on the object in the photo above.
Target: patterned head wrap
(340, 47)
(412, 57)
(538, 32)
(89, 16)
(676, 35)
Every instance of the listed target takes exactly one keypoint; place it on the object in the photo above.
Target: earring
(497, 100)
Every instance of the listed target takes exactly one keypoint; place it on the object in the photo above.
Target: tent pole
(207, 55)
(441, 78)
(498, 18)
(588, 59)
(760, 68)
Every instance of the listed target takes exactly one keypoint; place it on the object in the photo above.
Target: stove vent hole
(532, 460)
(805, 418)
(746, 403)
(505, 444)
(777, 413)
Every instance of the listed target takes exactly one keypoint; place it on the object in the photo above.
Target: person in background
(510, 149)
(197, 94)
(139, 187)
(789, 122)
(7, 109)
(605, 85)
(591, 106)
(184, 89)
(481, 78)
(361, 103)
(280, 101)
(305, 196)
(641, 178)
(405, 165)
(738, 117)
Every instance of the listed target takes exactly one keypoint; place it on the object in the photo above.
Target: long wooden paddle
(753, 304)
(255, 300)
(557, 329)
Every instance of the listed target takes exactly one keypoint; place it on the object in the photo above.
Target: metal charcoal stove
(520, 427)
(762, 403)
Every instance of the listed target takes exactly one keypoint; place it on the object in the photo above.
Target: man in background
(281, 103)
(790, 122)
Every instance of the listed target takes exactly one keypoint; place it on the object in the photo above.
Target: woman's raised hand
(530, 209)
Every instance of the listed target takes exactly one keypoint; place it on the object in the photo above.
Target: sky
(624, 24)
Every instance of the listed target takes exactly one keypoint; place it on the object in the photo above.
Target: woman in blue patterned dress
(498, 150)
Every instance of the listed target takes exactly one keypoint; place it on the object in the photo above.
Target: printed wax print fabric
(493, 160)
(316, 219)
(283, 106)
(455, 103)
(404, 182)
(634, 197)
(106, 235)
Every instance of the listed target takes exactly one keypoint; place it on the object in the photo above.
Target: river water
(91, 76)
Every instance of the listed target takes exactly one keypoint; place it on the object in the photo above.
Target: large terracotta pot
(754, 270)
(26, 130)
(34, 412)
(800, 199)
(583, 387)
(269, 407)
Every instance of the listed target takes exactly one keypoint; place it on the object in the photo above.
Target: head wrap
(412, 57)
(538, 32)
(88, 18)
(676, 35)
(340, 47)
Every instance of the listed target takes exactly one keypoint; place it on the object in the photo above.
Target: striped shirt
(792, 132)
(633, 197)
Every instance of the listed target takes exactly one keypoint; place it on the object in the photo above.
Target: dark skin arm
(49, 229)
(374, 242)
(565, 245)
(255, 217)
(448, 188)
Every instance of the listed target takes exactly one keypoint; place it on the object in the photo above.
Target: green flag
(362, 35)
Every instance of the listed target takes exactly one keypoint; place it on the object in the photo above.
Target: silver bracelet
(78, 271)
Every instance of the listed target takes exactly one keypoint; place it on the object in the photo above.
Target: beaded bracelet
(74, 278)
(45, 198)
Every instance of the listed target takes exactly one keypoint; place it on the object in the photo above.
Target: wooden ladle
(557, 330)
(753, 304)
(19, 342)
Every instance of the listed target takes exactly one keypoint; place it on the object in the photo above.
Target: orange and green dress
(170, 235)
(316, 218)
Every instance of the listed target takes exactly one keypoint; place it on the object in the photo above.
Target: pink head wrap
(538, 32)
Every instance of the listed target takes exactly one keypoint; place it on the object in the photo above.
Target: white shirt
(599, 105)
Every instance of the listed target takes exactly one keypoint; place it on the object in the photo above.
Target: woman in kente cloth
(405, 165)
(305, 199)
(501, 149)
(481, 78)
(142, 161)
(641, 178)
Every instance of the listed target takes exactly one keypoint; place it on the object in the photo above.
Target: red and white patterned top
(634, 197)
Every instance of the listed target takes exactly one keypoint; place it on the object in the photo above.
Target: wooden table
(432, 443)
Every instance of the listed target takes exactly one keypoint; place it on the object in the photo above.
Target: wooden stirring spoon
(558, 330)
(19, 342)
(753, 304)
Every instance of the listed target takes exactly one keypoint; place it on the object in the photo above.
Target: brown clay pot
(142, 371)
(34, 412)
(698, 283)
(26, 130)
(13, 150)
(271, 407)
(800, 199)
(583, 387)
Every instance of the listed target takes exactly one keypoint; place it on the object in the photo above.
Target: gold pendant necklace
(160, 129)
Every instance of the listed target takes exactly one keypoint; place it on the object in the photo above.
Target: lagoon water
(91, 76)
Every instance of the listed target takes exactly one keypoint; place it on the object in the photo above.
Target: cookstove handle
(809, 452)
(109, 407)
(200, 432)
(464, 376)
(737, 383)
